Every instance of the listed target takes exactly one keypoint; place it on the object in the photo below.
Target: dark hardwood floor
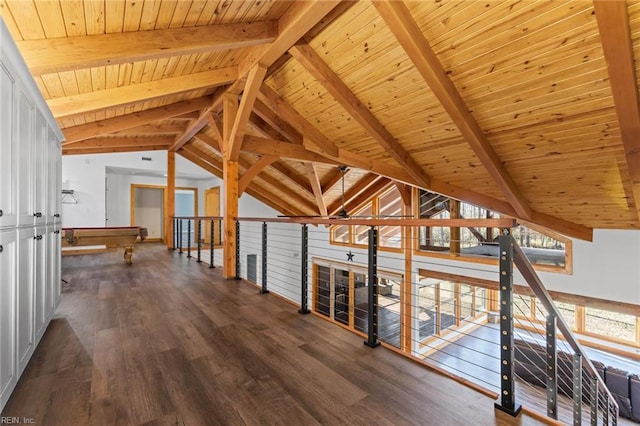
(168, 341)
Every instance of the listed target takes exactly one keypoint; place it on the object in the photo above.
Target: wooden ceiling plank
(85, 103)
(252, 86)
(276, 103)
(408, 33)
(254, 170)
(54, 55)
(103, 127)
(314, 180)
(615, 34)
(314, 64)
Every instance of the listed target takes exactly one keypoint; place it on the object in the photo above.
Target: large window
(589, 321)
(543, 248)
(445, 305)
(387, 204)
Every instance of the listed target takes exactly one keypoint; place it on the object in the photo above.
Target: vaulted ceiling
(527, 108)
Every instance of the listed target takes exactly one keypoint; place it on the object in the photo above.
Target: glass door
(341, 296)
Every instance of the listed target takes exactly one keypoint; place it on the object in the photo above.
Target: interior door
(212, 208)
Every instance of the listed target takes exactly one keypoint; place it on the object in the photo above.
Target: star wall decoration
(350, 256)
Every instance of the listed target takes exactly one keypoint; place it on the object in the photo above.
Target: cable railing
(199, 235)
(453, 316)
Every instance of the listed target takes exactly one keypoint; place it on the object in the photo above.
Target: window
(545, 249)
(387, 204)
(610, 324)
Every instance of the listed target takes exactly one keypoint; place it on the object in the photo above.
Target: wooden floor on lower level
(168, 341)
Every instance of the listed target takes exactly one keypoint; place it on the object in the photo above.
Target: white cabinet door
(54, 180)
(24, 297)
(40, 155)
(8, 366)
(24, 161)
(54, 281)
(40, 276)
(7, 147)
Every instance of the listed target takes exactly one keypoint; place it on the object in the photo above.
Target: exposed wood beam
(73, 53)
(353, 192)
(254, 170)
(408, 33)
(199, 157)
(170, 206)
(276, 103)
(405, 193)
(119, 142)
(314, 64)
(356, 202)
(615, 35)
(187, 116)
(296, 152)
(254, 81)
(293, 176)
(111, 150)
(101, 100)
(333, 180)
(209, 141)
(205, 161)
(216, 125)
(264, 129)
(124, 122)
(296, 198)
(299, 18)
(278, 122)
(283, 149)
(152, 129)
(314, 180)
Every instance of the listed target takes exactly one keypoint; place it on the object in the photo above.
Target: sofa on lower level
(530, 366)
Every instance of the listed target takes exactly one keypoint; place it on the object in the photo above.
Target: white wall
(86, 175)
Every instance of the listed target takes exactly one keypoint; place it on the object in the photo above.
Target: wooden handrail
(531, 277)
(197, 217)
(455, 223)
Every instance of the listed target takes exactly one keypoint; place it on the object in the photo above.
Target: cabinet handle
(1, 248)
(37, 237)
(56, 215)
(56, 231)
(1, 212)
(39, 214)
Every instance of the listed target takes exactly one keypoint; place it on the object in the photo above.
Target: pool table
(119, 236)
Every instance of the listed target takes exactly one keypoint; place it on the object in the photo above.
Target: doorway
(212, 209)
(147, 210)
(148, 205)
